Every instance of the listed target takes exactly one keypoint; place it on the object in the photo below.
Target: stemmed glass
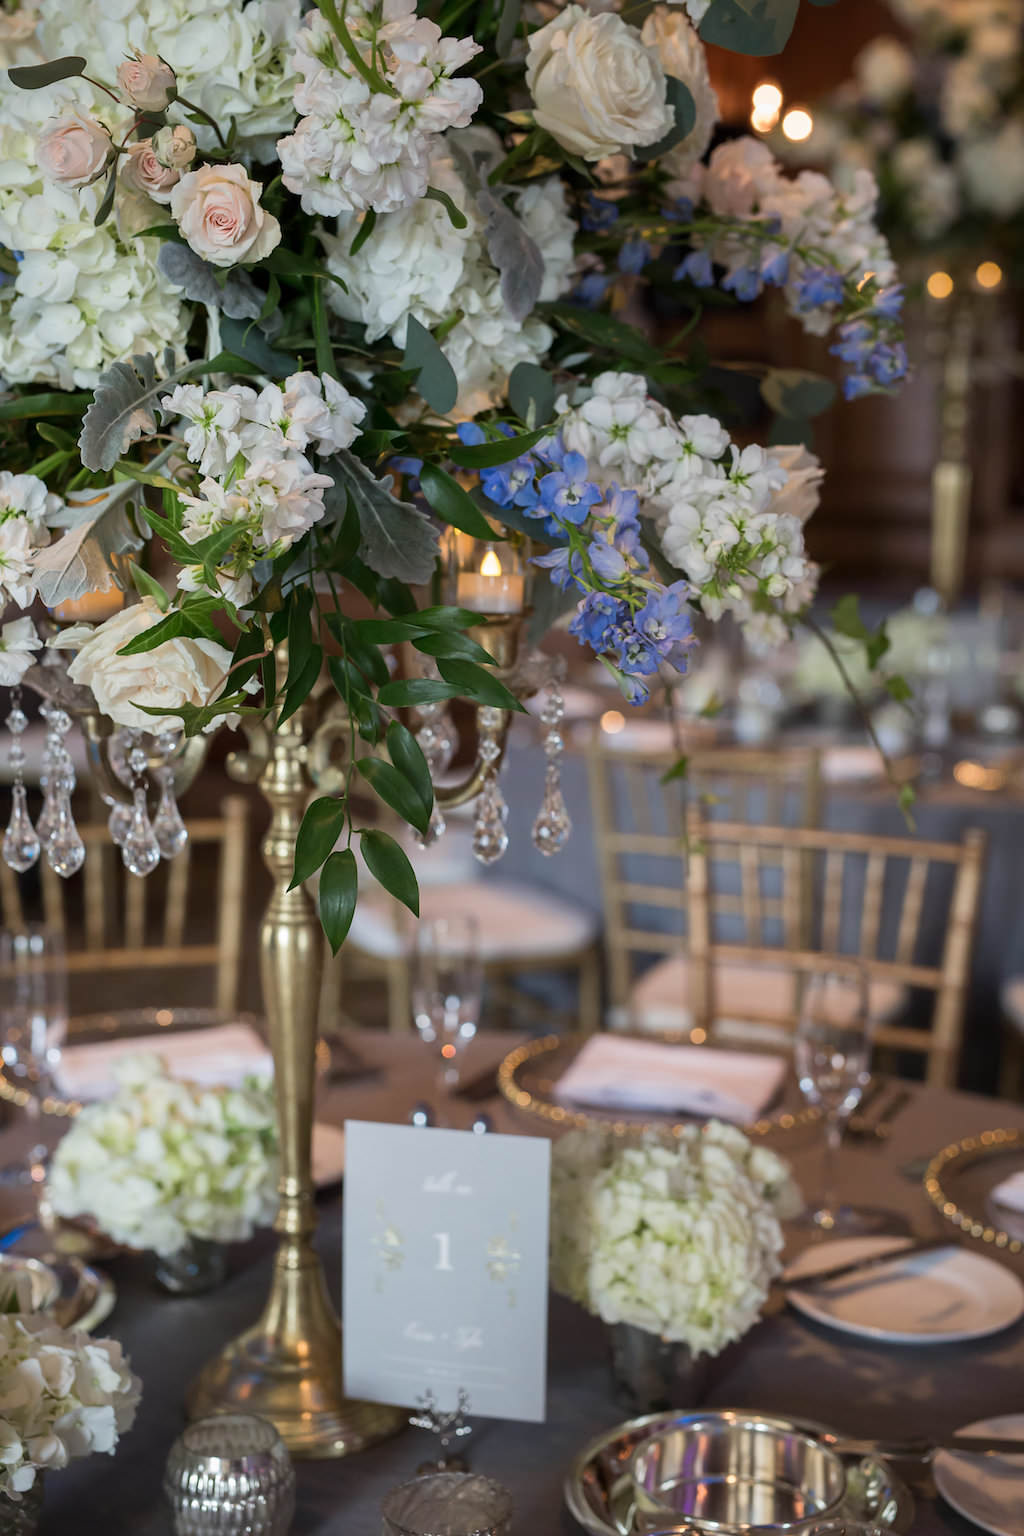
(33, 1020)
(833, 1060)
(447, 981)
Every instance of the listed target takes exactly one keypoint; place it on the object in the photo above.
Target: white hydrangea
(417, 263)
(164, 1160)
(231, 58)
(356, 147)
(81, 297)
(993, 170)
(930, 187)
(678, 1237)
(730, 520)
(62, 1395)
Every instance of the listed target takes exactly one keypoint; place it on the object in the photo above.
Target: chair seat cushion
(752, 996)
(1013, 1002)
(515, 922)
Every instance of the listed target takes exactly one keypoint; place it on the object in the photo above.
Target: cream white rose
(174, 673)
(72, 149)
(147, 81)
(800, 495)
(175, 147)
(682, 54)
(141, 171)
(217, 209)
(597, 87)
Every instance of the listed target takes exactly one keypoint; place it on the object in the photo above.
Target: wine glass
(447, 981)
(33, 1020)
(833, 1059)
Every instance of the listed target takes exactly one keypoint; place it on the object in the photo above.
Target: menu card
(445, 1283)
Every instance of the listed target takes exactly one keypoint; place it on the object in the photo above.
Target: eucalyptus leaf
(398, 539)
(756, 27)
(531, 393)
(80, 561)
(435, 376)
(122, 410)
(337, 896)
(797, 392)
(680, 98)
(238, 297)
(33, 77)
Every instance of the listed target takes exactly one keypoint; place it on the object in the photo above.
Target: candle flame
(490, 565)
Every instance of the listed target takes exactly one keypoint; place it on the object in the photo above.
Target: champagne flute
(33, 1021)
(833, 1059)
(447, 981)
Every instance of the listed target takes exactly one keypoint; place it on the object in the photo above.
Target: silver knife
(923, 1450)
(863, 1266)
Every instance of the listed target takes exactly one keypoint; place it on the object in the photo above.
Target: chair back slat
(10, 898)
(872, 888)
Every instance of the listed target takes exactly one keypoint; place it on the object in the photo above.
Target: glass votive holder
(448, 1504)
(228, 1475)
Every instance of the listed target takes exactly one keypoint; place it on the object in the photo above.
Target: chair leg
(590, 991)
(1011, 1062)
(399, 997)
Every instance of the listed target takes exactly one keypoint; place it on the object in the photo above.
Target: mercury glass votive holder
(230, 1475)
(448, 1504)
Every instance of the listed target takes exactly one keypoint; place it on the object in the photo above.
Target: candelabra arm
(247, 767)
(448, 796)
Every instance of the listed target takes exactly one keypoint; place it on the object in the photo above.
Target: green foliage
(531, 393)
(395, 790)
(388, 864)
(321, 827)
(474, 683)
(680, 98)
(435, 376)
(339, 889)
(499, 451)
(757, 27)
(679, 770)
(33, 77)
(407, 755)
(148, 586)
(452, 504)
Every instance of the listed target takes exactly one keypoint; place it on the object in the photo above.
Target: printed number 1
(444, 1251)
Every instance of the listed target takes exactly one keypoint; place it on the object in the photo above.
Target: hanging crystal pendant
(490, 835)
(140, 849)
(170, 831)
(65, 851)
(436, 828)
(119, 821)
(21, 841)
(436, 737)
(553, 826)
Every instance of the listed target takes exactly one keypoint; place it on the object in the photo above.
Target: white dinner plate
(986, 1489)
(328, 1154)
(943, 1296)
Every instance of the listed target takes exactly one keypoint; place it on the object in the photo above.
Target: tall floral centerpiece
(301, 309)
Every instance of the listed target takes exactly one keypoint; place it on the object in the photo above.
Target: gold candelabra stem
(951, 477)
(288, 1367)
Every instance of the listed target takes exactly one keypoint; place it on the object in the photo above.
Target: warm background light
(612, 722)
(989, 274)
(940, 285)
(767, 104)
(797, 125)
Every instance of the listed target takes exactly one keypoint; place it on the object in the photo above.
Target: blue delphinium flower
(634, 654)
(567, 492)
(679, 211)
(857, 384)
(563, 566)
(591, 288)
(470, 433)
(404, 465)
(889, 301)
(819, 286)
(856, 339)
(664, 623)
(598, 214)
(698, 268)
(596, 620)
(744, 282)
(775, 266)
(634, 254)
(512, 484)
(888, 363)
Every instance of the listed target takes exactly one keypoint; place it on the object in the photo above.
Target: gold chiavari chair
(640, 829)
(115, 922)
(868, 898)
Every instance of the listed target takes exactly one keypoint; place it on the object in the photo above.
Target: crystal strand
(65, 851)
(21, 841)
(436, 737)
(48, 776)
(140, 850)
(553, 827)
(170, 831)
(490, 835)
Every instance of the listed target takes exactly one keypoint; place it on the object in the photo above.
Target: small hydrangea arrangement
(62, 1395)
(163, 1160)
(679, 1236)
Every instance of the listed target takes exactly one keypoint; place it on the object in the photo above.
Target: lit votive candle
(91, 607)
(490, 589)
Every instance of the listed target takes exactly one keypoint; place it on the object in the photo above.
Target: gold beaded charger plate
(960, 1181)
(76, 1295)
(528, 1078)
(599, 1492)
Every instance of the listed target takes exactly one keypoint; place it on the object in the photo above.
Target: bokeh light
(612, 722)
(766, 106)
(939, 285)
(989, 274)
(798, 125)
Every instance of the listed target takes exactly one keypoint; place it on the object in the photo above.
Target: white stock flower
(18, 641)
(928, 185)
(17, 566)
(163, 1160)
(597, 87)
(176, 672)
(26, 496)
(682, 54)
(305, 410)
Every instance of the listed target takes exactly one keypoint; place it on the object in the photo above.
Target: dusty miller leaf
(514, 253)
(121, 411)
(98, 528)
(398, 539)
(239, 297)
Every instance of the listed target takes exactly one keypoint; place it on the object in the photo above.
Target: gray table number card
(446, 1268)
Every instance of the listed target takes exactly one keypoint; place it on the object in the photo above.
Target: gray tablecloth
(785, 1363)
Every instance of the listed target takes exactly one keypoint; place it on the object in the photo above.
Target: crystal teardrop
(65, 851)
(140, 849)
(21, 841)
(170, 831)
(490, 837)
(553, 826)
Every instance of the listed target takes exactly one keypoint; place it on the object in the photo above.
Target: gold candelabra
(951, 476)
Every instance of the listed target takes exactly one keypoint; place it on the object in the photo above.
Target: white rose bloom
(597, 87)
(176, 672)
(800, 495)
(884, 70)
(993, 170)
(682, 54)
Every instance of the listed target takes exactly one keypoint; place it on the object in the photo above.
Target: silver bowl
(736, 1472)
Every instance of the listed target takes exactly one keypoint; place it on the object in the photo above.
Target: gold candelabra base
(287, 1368)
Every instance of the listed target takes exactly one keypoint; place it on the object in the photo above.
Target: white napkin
(1011, 1192)
(611, 1072)
(226, 1054)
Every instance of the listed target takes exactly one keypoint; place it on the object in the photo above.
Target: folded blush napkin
(226, 1054)
(1011, 1192)
(613, 1072)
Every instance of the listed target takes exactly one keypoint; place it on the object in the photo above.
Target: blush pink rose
(141, 171)
(72, 149)
(147, 81)
(217, 209)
